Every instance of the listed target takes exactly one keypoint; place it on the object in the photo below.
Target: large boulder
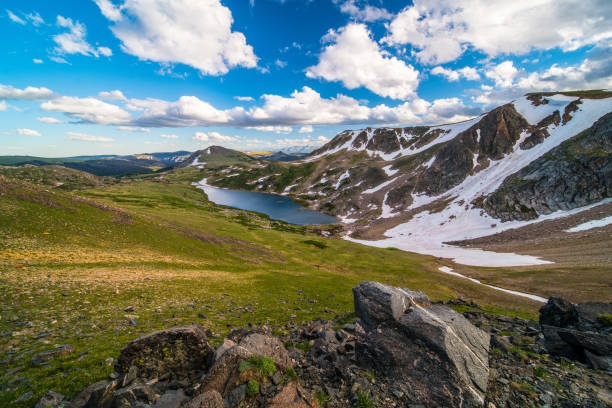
(376, 303)
(432, 353)
(575, 331)
(293, 396)
(209, 399)
(177, 353)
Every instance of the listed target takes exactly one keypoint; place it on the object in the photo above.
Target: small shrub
(291, 374)
(318, 244)
(262, 366)
(540, 372)
(364, 400)
(605, 319)
(322, 397)
(252, 388)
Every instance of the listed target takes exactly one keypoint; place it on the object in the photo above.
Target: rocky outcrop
(435, 355)
(578, 331)
(177, 353)
(576, 173)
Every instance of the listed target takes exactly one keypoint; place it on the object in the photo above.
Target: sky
(87, 77)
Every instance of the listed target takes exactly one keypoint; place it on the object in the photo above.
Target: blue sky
(132, 76)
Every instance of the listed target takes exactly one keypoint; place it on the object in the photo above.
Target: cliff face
(576, 173)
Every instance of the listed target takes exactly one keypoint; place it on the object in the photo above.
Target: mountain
(300, 149)
(282, 156)
(542, 156)
(217, 156)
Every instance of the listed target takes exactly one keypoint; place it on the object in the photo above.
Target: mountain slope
(217, 156)
(417, 187)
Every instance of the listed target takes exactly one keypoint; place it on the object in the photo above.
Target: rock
(171, 399)
(129, 376)
(433, 354)
(558, 312)
(226, 345)
(376, 303)
(25, 397)
(223, 375)
(267, 346)
(97, 395)
(209, 399)
(130, 396)
(599, 344)
(235, 396)
(598, 362)
(292, 396)
(129, 309)
(51, 399)
(179, 353)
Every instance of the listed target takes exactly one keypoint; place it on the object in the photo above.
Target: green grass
(605, 319)
(252, 388)
(364, 400)
(71, 262)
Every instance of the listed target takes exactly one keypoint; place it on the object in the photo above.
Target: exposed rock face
(436, 356)
(576, 173)
(177, 353)
(575, 331)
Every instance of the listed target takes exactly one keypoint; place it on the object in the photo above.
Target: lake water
(275, 206)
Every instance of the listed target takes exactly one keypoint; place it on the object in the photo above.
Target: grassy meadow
(104, 263)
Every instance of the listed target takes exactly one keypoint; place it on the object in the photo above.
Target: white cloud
(172, 136)
(73, 41)
(3, 106)
(503, 74)
(187, 111)
(37, 60)
(212, 137)
(275, 129)
(30, 93)
(14, 18)
(107, 52)
(59, 60)
(133, 129)
(197, 33)
(49, 120)
(244, 98)
(88, 138)
(28, 132)
(357, 61)
(89, 110)
(35, 19)
(306, 129)
(109, 10)
(116, 95)
(468, 73)
(367, 13)
(440, 31)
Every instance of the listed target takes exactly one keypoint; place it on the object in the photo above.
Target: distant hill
(54, 176)
(282, 156)
(217, 156)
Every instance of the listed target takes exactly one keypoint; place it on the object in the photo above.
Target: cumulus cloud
(3, 106)
(116, 95)
(503, 74)
(244, 98)
(468, 73)
(306, 129)
(28, 132)
(29, 93)
(169, 136)
(73, 41)
(197, 33)
(49, 120)
(83, 137)
(37, 60)
(354, 59)
(89, 110)
(440, 31)
(367, 13)
(212, 137)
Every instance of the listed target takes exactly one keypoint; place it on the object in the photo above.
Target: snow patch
(380, 186)
(389, 171)
(591, 224)
(344, 176)
(449, 271)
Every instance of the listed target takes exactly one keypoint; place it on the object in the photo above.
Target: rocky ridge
(400, 350)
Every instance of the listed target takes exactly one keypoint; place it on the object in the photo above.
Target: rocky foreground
(401, 350)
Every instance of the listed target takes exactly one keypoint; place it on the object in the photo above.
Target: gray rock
(171, 399)
(97, 395)
(226, 345)
(376, 303)
(51, 399)
(433, 353)
(236, 396)
(209, 399)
